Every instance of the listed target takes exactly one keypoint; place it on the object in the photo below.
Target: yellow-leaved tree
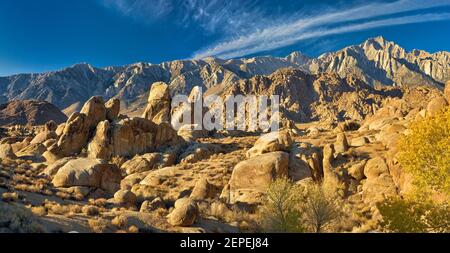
(424, 153)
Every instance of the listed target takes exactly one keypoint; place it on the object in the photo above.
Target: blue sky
(37, 36)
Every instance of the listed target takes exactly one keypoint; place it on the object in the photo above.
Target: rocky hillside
(308, 97)
(376, 61)
(381, 62)
(29, 112)
(101, 171)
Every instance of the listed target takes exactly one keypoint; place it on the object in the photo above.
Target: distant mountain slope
(376, 61)
(29, 112)
(381, 62)
(310, 97)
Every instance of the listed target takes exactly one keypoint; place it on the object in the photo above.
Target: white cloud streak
(227, 17)
(250, 26)
(287, 33)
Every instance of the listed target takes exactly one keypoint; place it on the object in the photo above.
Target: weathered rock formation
(158, 104)
(88, 172)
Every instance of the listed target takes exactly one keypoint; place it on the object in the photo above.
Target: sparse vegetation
(295, 208)
(281, 213)
(319, 208)
(98, 225)
(17, 219)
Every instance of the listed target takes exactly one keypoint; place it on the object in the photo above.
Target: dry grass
(39, 210)
(10, 196)
(98, 225)
(225, 213)
(120, 221)
(17, 219)
(90, 210)
(133, 229)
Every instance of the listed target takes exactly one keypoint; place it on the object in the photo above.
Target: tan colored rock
(359, 141)
(50, 157)
(150, 206)
(6, 152)
(125, 197)
(88, 172)
(379, 183)
(436, 105)
(184, 214)
(133, 179)
(316, 166)
(298, 168)
(158, 107)
(377, 189)
(331, 179)
(52, 169)
(199, 151)
(138, 136)
(190, 134)
(253, 176)
(274, 141)
(60, 129)
(202, 190)
(74, 137)
(390, 134)
(17, 146)
(225, 194)
(341, 144)
(78, 129)
(375, 167)
(32, 151)
(357, 170)
(144, 192)
(100, 146)
(50, 142)
(95, 111)
(112, 109)
(142, 163)
(43, 136)
(447, 91)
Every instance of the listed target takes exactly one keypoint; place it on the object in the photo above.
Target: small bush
(39, 210)
(280, 212)
(10, 196)
(98, 225)
(120, 221)
(294, 208)
(17, 219)
(319, 208)
(90, 210)
(133, 229)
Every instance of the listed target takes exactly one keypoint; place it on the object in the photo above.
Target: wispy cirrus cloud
(214, 16)
(323, 23)
(247, 27)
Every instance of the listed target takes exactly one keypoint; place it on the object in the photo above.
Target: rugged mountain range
(375, 61)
